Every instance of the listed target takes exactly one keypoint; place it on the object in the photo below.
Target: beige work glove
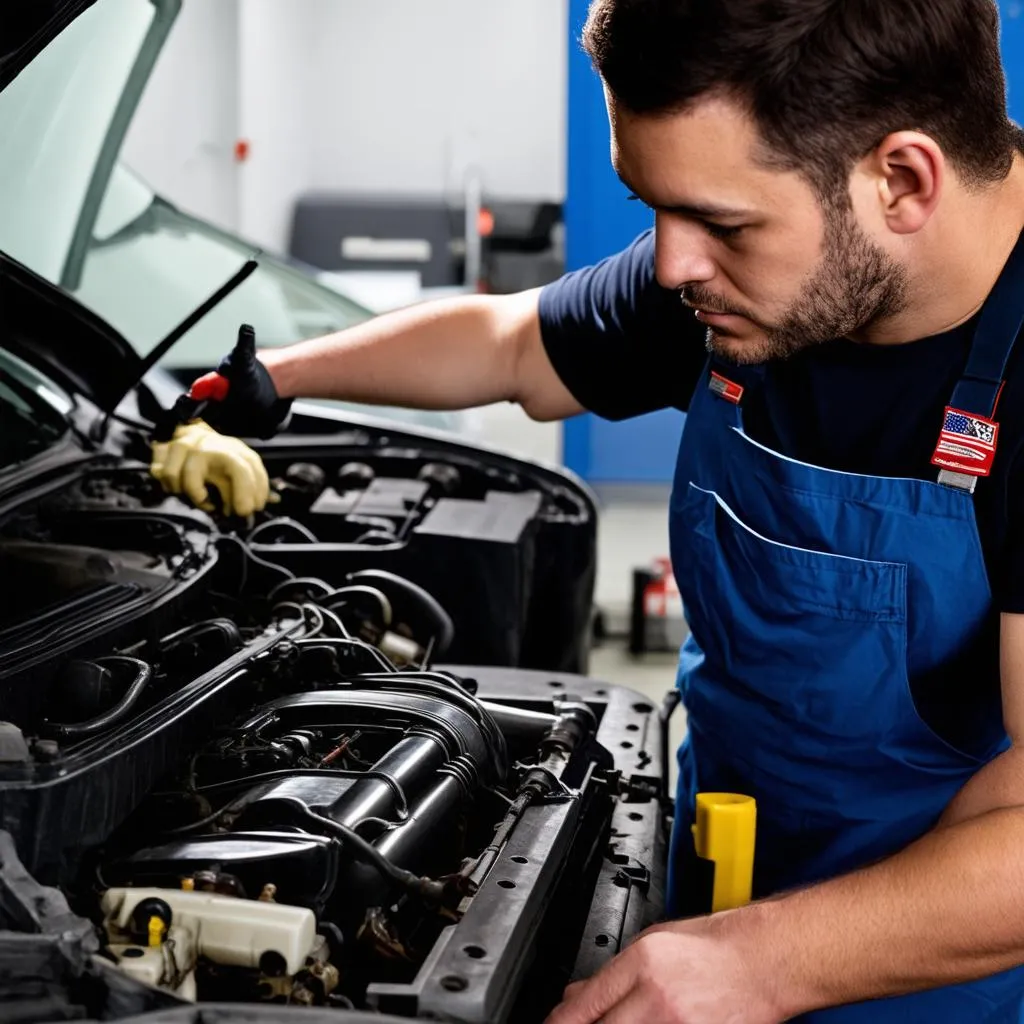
(197, 457)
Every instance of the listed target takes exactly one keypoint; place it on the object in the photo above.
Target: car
(335, 763)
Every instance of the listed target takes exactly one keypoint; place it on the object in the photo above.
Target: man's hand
(242, 398)
(197, 457)
(686, 972)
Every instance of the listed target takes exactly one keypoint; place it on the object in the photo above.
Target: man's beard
(857, 284)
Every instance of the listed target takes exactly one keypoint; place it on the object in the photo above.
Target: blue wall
(1012, 12)
(599, 222)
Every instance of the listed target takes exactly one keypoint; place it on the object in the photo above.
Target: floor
(632, 531)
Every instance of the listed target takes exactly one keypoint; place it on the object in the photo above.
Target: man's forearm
(949, 908)
(450, 354)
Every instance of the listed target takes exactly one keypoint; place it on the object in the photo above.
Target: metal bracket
(563, 792)
(959, 481)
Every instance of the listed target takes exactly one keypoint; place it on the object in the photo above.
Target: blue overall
(814, 598)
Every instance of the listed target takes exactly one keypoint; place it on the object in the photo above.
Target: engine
(228, 781)
(372, 808)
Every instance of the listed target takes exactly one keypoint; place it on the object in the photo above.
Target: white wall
(276, 116)
(354, 95)
(405, 92)
(182, 137)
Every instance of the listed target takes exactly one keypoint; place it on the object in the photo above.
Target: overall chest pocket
(820, 637)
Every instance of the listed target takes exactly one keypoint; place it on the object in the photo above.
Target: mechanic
(839, 198)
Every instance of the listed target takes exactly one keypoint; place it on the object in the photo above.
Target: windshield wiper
(177, 333)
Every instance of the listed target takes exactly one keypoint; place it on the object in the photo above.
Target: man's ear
(907, 171)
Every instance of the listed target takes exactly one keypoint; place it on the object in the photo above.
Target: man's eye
(720, 231)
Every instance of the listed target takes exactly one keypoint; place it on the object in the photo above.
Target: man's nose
(681, 253)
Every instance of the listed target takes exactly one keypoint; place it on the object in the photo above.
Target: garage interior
(367, 713)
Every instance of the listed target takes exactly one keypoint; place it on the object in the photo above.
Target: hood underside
(26, 26)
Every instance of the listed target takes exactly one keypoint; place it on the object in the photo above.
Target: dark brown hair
(825, 80)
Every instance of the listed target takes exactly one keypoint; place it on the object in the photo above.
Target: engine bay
(523, 541)
(231, 761)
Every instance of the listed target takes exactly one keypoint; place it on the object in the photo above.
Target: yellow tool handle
(724, 833)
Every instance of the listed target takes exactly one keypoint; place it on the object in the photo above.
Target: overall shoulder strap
(967, 442)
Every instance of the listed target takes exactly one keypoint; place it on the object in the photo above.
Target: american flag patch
(967, 443)
(725, 388)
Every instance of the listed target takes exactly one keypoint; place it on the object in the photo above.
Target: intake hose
(80, 730)
(426, 609)
(367, 853)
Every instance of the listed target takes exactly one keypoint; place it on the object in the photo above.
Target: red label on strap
(211, 387)
(967, 443)
(725, 388)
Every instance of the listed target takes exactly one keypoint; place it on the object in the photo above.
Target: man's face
(750, 248)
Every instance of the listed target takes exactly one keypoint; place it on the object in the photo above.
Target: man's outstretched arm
(450, 354)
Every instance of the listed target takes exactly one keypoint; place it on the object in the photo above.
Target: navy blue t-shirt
(623, 346)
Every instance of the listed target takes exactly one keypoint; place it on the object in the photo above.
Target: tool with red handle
(211, 387)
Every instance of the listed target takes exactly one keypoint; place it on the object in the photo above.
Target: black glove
(242, 400)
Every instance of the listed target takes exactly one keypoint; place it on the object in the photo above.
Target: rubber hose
(109, 718)
(367, 853)
(440, 620)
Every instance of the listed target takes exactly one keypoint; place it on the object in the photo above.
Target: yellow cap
(156, 931)
(724, 832)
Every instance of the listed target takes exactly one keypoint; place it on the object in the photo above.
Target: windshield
(149, 264)
(32, 412)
